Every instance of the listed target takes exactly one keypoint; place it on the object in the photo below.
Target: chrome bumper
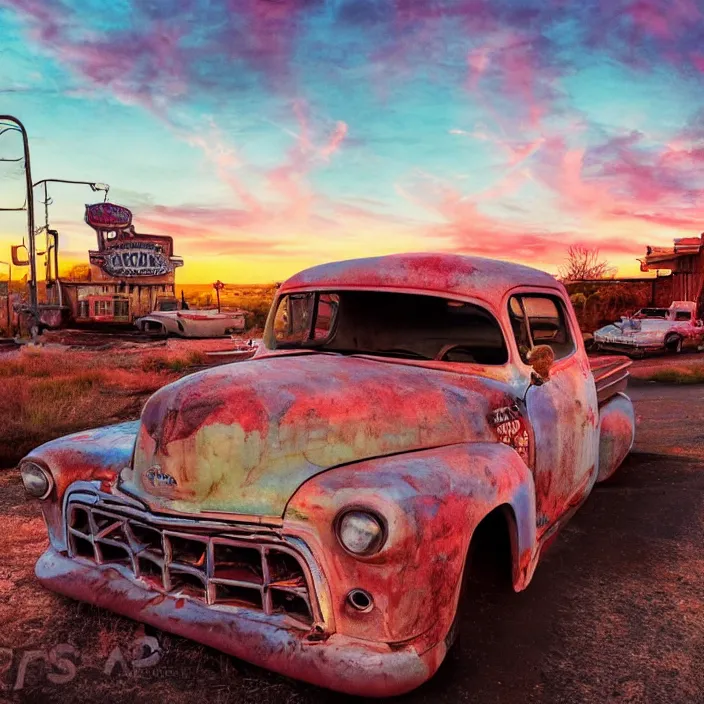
(337, 662)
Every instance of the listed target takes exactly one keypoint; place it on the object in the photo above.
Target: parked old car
(171, 318)
(312, 509)
(678, 330)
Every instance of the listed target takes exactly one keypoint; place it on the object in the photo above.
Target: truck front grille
(213, 569)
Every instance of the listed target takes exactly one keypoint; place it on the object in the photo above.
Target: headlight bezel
(376, 546)
(26, 467)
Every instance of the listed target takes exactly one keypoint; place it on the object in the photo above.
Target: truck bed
(610, 375)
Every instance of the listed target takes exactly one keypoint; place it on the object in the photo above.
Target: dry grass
(47, 394)
(668, 370)
(173, 362)
(675, 375)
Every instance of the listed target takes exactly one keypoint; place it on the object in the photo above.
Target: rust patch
(176, 423)
(511, 429)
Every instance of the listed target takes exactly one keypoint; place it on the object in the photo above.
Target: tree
(583, 263)
(78, 272)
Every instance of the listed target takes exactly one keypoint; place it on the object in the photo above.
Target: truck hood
(242, 438)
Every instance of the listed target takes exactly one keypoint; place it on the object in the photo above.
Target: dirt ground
(615, 612)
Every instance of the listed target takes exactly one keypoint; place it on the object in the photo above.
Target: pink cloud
(627, 179)
(478, 62)
(642, 33)
(468, 230)
(224, 230)
(650, 19)
(336, 139)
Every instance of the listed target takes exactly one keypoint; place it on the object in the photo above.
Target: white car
(193, 323)
(636, 335)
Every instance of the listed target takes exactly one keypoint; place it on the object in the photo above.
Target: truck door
(563, 411)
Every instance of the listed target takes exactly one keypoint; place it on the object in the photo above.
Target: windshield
(651, 313)
(389, 324)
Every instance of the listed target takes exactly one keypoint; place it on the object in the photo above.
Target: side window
(326, 312)
(519, 324)
(683, 315)
(540, 320)
(293, 317)
(296, 313)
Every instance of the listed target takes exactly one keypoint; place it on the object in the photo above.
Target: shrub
(173, 363)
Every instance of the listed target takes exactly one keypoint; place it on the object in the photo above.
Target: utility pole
(9, 296)
(94, 186)
(8, 123)
(16, 126)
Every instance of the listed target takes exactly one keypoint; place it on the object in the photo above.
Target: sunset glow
(266, 136)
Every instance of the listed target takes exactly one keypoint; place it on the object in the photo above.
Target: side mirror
(541, 358)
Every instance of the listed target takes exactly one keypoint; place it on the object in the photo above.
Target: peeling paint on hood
(242, 438)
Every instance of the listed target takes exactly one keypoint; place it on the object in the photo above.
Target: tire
(673, 343)
(486, 579)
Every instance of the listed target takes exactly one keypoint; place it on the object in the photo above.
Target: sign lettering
(108, 216)
(134, 259)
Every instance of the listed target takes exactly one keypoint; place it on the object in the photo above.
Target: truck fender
(92, 455)
(617, 427)
(430, 502)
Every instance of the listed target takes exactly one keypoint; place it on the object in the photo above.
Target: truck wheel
(486, 580)
(673, 343)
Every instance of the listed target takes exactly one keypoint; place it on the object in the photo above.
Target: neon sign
(108, 216)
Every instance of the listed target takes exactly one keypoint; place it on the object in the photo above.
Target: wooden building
(131, 274)
(685, 259)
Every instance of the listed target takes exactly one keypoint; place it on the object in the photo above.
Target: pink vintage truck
(312, 510)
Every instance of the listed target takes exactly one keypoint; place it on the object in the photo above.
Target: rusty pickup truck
(314, 509)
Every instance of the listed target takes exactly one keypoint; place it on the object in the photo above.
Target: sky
(271, 135)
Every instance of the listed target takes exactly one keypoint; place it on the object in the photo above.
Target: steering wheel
(444, 351)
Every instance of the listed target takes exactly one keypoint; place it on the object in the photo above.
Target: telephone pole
(8, 123)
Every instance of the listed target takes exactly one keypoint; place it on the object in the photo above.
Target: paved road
(616, 610)
(614, 613)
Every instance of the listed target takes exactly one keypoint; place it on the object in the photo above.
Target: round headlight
(360, 532)
(37, 480)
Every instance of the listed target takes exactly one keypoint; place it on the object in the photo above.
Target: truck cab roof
(473, 277)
